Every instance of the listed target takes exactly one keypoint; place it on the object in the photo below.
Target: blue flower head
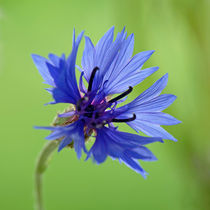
(108, 69)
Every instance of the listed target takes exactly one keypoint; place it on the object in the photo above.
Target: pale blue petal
(108, 58)
(54, 59)
(102, 46)
(158, 118)
(142, 153)
(130, 74)
(132, 80)
(41, 65)
(125, 52)
(74, 132)
(156, 104)
(130, 139)
(88, 58)
(134, 165)
(151, 129)
(153, 91)
(123, 146)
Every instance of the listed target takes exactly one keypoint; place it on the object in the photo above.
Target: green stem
(41, 166)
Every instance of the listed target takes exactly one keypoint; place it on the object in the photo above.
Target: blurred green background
(179, 32)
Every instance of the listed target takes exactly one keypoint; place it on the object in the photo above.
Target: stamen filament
(92, 78)
(121, 96)
(125, 120)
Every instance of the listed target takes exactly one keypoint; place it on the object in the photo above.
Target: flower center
(96, 116)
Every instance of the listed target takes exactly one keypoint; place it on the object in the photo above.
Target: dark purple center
(97, 115)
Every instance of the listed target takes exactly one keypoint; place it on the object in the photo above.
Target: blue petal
(124, 146)
(105, 55)
(126, 52)
(99, 150)
(55, 59)
(147, 108)
(62, 96)
(74, 132)
(142, 153)
(55, 71)
(112, 52)
(128, 72)
(56, 134)
(41, 65)
(151, 129)
(130, 80)
(130, 139)
(60, 73)
(133, 65)
(49, 90)
(158, 118)
(122, 58)
(81, 83)
(67, 90)
(157, 104)
(79, 139)
(94, 56)
(134, 165)
(116, 67)
(153, 91)
(102, 47)
(88, 58)
(79, 68)
(66, 141)
(44, 128)
(109, 55)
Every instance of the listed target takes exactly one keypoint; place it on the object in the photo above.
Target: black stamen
(78, 108)
(125, 120)
(89, 111)
(92, 77)
(97, 115)
(90, 108)
(88, 114)
(121, 96)
(93, 124)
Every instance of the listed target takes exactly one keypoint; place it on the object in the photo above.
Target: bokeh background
(179, 32)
